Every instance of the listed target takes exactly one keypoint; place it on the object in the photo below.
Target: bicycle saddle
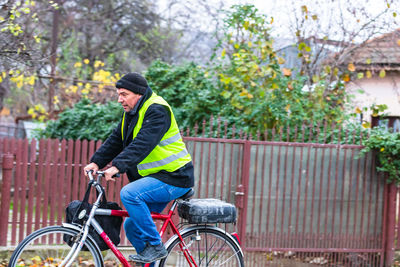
(188, 194)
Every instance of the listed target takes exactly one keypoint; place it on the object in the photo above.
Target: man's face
(128, 99)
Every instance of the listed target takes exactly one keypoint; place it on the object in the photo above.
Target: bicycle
(195, 245)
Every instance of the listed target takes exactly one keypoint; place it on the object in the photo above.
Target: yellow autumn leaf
(31, 80)
(351, 67)
(98, 63)
(223, 52)
(328, 69)
(281, 60)
(37, 39)
(77, 65)
(286, 72)
(56, 100)
(244, 92)
(382, 73)
(1, 79)
(382, 149)
(358, 110)
(250, 96)
(368, 61)
(36, 259)
(369, 74)
(335, 71)
(41, 118)
(236, 46)
(250, 44)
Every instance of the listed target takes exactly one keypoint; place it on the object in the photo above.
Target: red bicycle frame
(167, 220)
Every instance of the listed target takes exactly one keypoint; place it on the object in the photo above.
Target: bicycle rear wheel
(46, 247)
(208, 245)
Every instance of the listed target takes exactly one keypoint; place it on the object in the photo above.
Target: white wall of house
(376, 90)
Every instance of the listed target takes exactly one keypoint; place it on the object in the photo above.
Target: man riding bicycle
(147, 146)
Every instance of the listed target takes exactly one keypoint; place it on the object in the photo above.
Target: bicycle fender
(79, 228)
(195, 227)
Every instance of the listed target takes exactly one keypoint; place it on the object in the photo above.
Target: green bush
(187, 89)
(85, 120)
(386, 145)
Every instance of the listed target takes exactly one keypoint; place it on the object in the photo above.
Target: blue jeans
(140, 198)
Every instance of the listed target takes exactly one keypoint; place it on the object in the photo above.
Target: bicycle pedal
(135, 264)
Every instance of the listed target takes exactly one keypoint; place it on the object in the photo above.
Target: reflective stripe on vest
(122, 127)
(170, 140)
(162, 162)
(170, 154)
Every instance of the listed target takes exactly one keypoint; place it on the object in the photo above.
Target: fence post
(390, 225)
(242, 195)
(5, 197)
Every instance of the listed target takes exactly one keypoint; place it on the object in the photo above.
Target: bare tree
(325, 27)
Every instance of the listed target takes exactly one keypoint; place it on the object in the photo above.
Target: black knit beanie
(133, 82)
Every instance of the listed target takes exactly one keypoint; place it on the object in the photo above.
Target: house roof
(382, 52)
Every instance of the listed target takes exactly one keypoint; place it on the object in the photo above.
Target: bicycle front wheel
(46, 247)
(209, 246)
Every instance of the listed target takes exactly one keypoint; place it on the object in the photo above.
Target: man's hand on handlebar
(110, 172)
(91, 167)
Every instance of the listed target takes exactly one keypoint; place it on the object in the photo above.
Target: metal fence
(302, 203)
(316, 198)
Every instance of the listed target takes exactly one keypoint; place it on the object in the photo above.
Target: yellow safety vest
(170, 154)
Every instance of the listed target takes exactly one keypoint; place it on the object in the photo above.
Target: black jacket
(127, 154)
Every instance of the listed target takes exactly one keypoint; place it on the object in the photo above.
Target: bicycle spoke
(44, 248)
(208, 248)
(216, 253)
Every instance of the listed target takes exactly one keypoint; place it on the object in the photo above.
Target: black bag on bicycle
(207, 210)
(110, 224)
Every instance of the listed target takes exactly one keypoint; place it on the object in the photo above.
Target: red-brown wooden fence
(304, 202)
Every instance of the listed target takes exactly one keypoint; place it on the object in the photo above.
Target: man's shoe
(150, 253)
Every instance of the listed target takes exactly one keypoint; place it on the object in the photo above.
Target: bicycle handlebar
(100, 174)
